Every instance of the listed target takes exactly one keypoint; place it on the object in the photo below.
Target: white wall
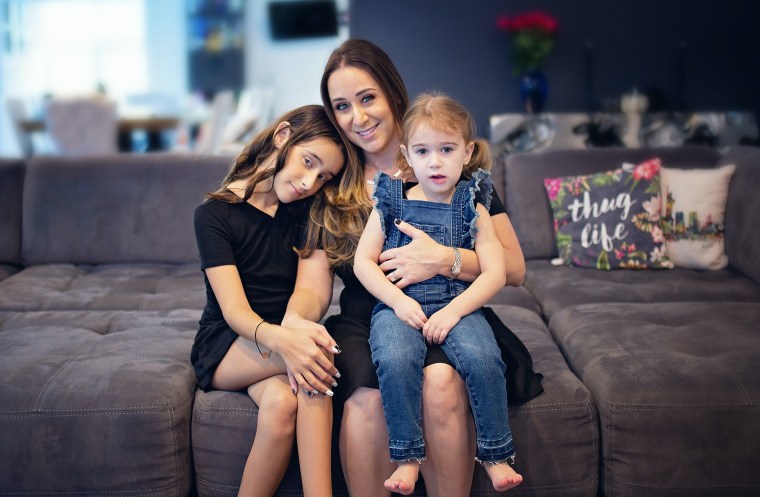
(292, 67)
(166, 32)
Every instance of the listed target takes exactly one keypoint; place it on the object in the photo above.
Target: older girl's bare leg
(275, 432)
(449, 433)
(313, 436)
(363, 441)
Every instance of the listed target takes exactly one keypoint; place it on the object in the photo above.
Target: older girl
(246, 232)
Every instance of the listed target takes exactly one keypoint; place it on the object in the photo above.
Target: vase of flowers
(533, 40)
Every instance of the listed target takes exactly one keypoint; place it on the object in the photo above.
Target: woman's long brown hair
(337, 226)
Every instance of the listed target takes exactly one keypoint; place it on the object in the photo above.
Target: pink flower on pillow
(647, 169)
(657, 235)
(652, 206)
(553, 186)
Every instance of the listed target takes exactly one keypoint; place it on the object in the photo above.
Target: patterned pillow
(610, 220)
(692, 215)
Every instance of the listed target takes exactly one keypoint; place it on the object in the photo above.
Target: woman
(246, 231)
(365, 97)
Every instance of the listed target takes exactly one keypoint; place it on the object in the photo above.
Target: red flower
(647, 170)
(533, 36)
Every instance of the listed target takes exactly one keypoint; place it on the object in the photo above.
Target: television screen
(304, 19)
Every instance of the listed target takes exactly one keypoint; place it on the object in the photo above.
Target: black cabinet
(216, 44)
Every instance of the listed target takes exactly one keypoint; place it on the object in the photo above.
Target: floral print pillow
(610, 220)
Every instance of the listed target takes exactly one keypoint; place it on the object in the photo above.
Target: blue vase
(533, 90)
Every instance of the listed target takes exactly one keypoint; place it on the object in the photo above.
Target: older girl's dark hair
(306, 123)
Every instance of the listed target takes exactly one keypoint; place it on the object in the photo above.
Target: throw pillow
(610, 220)
(695, 202)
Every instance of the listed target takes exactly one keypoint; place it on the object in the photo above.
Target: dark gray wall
(696, 54)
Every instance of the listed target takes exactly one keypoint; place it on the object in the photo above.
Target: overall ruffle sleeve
(384, 205)
(479, 191)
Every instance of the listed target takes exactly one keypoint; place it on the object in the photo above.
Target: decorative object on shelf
(533, 37)
(633, 106)
(519, 132)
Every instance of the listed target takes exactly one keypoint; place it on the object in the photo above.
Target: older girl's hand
(418, 261)
(304, 351)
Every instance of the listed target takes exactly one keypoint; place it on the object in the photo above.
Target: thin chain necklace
(371, 182)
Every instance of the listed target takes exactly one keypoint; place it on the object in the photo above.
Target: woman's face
(362, 110)
(308, 167)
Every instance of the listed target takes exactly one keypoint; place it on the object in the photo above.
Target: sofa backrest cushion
(742, 235)
(525, 197)
(118, 208)
(11, 189)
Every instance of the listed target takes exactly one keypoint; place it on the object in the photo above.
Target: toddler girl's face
(437, 158)
(308, 167)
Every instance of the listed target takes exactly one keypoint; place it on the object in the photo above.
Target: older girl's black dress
(261, 247)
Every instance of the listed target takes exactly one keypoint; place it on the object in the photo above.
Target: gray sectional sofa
(650, 378)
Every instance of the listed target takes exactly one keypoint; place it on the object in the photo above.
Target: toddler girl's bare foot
(503, 477)
(403, 479)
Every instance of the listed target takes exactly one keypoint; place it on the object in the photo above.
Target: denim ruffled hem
(480, 188)
(381, 194)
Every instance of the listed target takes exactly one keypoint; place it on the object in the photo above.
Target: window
(73, 46)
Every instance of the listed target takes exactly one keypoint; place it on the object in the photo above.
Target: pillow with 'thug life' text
(610, 220)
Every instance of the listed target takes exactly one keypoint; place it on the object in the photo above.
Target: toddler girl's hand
(409, 311)
(439, 325)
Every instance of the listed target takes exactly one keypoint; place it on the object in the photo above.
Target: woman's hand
(303, 347)
(418, 261)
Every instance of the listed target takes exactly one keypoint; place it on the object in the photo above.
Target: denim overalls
(398, 350)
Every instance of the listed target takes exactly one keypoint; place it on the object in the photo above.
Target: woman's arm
(300, 351)
(423, 258)
(513, 255)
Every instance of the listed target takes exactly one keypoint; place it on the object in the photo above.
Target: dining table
(153, 126)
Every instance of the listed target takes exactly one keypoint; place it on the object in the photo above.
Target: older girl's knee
(277, 410)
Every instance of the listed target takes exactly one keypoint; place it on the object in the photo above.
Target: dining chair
(82, 126)
(210, 134)
(253, 115)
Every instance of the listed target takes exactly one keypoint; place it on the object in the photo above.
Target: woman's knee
(444, 393)
(364, 406)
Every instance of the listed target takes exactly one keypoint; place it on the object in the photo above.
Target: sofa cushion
(120, 208)
(694, 203)
(609, 220)
(525, 198)
(516, 296)
(556, 433)
(11, 188)
(106, 287)
(96, 403)
(559, 287)
(678, 392)
(7, 270)
(742, 236)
